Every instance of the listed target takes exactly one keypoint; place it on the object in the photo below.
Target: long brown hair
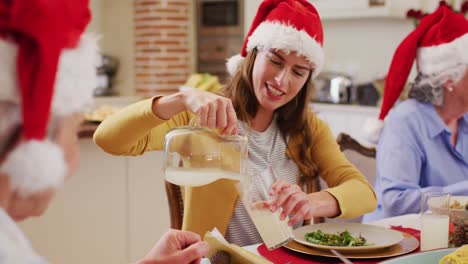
(292, 118)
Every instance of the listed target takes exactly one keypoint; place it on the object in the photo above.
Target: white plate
(380, 237)
(428, 257)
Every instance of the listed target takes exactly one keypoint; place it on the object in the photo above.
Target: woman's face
(278, 77)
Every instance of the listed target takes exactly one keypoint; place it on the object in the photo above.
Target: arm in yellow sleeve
(350, 188)
(135, 129)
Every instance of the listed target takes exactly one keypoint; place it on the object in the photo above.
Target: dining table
(409, 223)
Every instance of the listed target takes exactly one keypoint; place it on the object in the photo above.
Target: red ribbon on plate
(283, 255)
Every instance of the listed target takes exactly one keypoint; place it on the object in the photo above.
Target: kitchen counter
(352, 108)
(331, 113)
(87, 130)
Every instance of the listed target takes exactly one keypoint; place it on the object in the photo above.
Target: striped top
(266, 149)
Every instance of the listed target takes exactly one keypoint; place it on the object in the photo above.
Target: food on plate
(343, 239)
(204, 82)
(457, 205)
(459, 236)
(459, 256)
(100, 113)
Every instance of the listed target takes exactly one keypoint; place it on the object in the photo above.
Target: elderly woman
(424, 144)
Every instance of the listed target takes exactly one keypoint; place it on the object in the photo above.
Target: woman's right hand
(214, 111)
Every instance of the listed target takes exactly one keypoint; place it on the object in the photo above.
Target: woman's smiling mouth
(274, 91)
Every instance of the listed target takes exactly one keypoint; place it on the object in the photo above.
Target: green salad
(343, 239)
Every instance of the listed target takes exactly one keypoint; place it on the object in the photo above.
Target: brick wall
(162, 44)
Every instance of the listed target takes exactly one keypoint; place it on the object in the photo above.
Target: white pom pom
(35, 166)
(372, 129)
(233, 63)
(75, 80)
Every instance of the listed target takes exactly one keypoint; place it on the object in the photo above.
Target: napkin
(237, 254)
(283, 255)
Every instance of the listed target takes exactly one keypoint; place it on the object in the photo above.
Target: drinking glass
(255, 196)
(434, 217)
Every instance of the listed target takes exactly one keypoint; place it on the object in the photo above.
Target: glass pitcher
(195, 156)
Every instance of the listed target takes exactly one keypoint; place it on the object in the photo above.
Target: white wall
(361, 47)
(113, 20)
(96, 22)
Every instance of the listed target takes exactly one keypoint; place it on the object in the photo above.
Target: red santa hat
(47, 66)
(438, 43)
(289, 25)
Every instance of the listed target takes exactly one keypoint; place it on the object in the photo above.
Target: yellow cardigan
(135, 130)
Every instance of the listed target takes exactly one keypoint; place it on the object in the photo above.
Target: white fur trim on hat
(35, 166)
(275, 35)
(233, 63)
(434, 59)
(372, 129)
(76, 77)
(75, 80)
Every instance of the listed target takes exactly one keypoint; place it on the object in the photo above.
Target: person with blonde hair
(267, 100)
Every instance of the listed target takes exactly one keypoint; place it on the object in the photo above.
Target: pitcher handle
(194, 121)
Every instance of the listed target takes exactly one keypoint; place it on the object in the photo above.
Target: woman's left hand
(292, 200)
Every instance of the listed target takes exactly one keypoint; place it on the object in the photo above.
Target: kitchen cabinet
(329, 9)
(431, 5)
(338, 9)
(341, 9)
(346, 9)
(148, 211)
(349, 119)
(399, 8)
(112, 210)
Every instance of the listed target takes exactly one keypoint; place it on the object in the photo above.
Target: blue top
(414, 155)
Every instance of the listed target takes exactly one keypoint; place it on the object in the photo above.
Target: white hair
(430, 88)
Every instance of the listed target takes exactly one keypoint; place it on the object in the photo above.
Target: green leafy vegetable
(343, 239)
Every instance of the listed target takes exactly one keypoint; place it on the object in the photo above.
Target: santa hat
(439, 43)
(289, 25)
(46, 66)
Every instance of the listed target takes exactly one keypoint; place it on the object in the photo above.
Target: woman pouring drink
(266, 100)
